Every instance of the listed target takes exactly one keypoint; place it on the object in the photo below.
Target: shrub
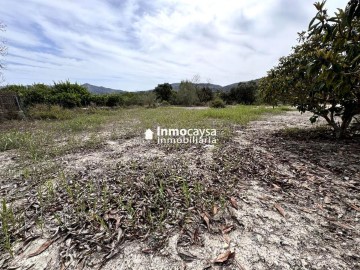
(149, 100)
(114, 100)
(66, 100)
(165, 103)
(50, 112)
(131, 99)
(187, 94)
(69, 95)
(243, 93)
(36, 94)
(65, 94)
(99, 100)
(205, 94)
(217, 103)
(163, 91)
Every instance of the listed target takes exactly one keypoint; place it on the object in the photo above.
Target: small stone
(327, 200)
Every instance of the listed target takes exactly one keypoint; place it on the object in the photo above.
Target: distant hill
(227, 88)
(176, 86)
(214, 87)
(100, 89)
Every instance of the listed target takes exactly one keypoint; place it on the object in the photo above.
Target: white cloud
(135, 44)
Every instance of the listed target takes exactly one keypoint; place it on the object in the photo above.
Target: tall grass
(185, 117)
(241, 114)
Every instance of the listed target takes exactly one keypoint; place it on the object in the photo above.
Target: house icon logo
(149, 135)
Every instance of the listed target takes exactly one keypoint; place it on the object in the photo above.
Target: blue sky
(137, 44)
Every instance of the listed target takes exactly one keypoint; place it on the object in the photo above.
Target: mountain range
(215, 87)
(100, 89)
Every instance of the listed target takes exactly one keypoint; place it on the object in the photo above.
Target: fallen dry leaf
(307, 210)
(353, 206)
(147, 251)
(227, 239)
(227, 229)
(42, 248)
(215, 209)
(225, 257)
(234, 202)
(113, 216)
(344, 226)
(196, 236)
(280, 209)
(187, 256)
(276, 187)
(27, 242)
(264, 197)
(206, 219)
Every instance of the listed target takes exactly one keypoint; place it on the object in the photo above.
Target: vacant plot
(89, 192)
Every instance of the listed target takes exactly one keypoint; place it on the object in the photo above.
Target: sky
(136, 44)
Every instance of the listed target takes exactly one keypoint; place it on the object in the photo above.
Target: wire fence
(10, 106)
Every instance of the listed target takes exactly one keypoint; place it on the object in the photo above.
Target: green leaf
(313, 118)
(355, 59)
(311, 22)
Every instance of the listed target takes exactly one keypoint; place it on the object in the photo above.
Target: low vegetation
(59, 197)
(72, 95)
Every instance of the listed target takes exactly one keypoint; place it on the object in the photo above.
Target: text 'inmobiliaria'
(182, 136)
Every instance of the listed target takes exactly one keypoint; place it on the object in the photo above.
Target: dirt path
(297, 204)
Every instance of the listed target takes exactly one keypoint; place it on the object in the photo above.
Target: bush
(165, 103)
(163, 91)
(66, 100)
(217, 103)
(65, 94)
(205, 94)
(50, 112)
(98, 100)
(70, 95)
(131, 99)
(187, 94)
(114, 100)
(149, 100)
(243, 93)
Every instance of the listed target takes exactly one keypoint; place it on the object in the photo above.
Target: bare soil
(314, 181)
(295, 204)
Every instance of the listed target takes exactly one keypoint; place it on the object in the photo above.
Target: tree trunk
(340, 131)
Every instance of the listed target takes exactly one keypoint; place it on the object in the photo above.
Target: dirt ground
(297, 204)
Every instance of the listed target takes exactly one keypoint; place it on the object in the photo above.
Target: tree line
(72, 95)
(190, 94)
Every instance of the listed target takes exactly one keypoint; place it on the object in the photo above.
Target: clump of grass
(50, 112)
(7, 221)
(186, 192)
(33, 145)
(14, 140)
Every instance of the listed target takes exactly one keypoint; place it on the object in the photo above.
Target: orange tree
(322, 74)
